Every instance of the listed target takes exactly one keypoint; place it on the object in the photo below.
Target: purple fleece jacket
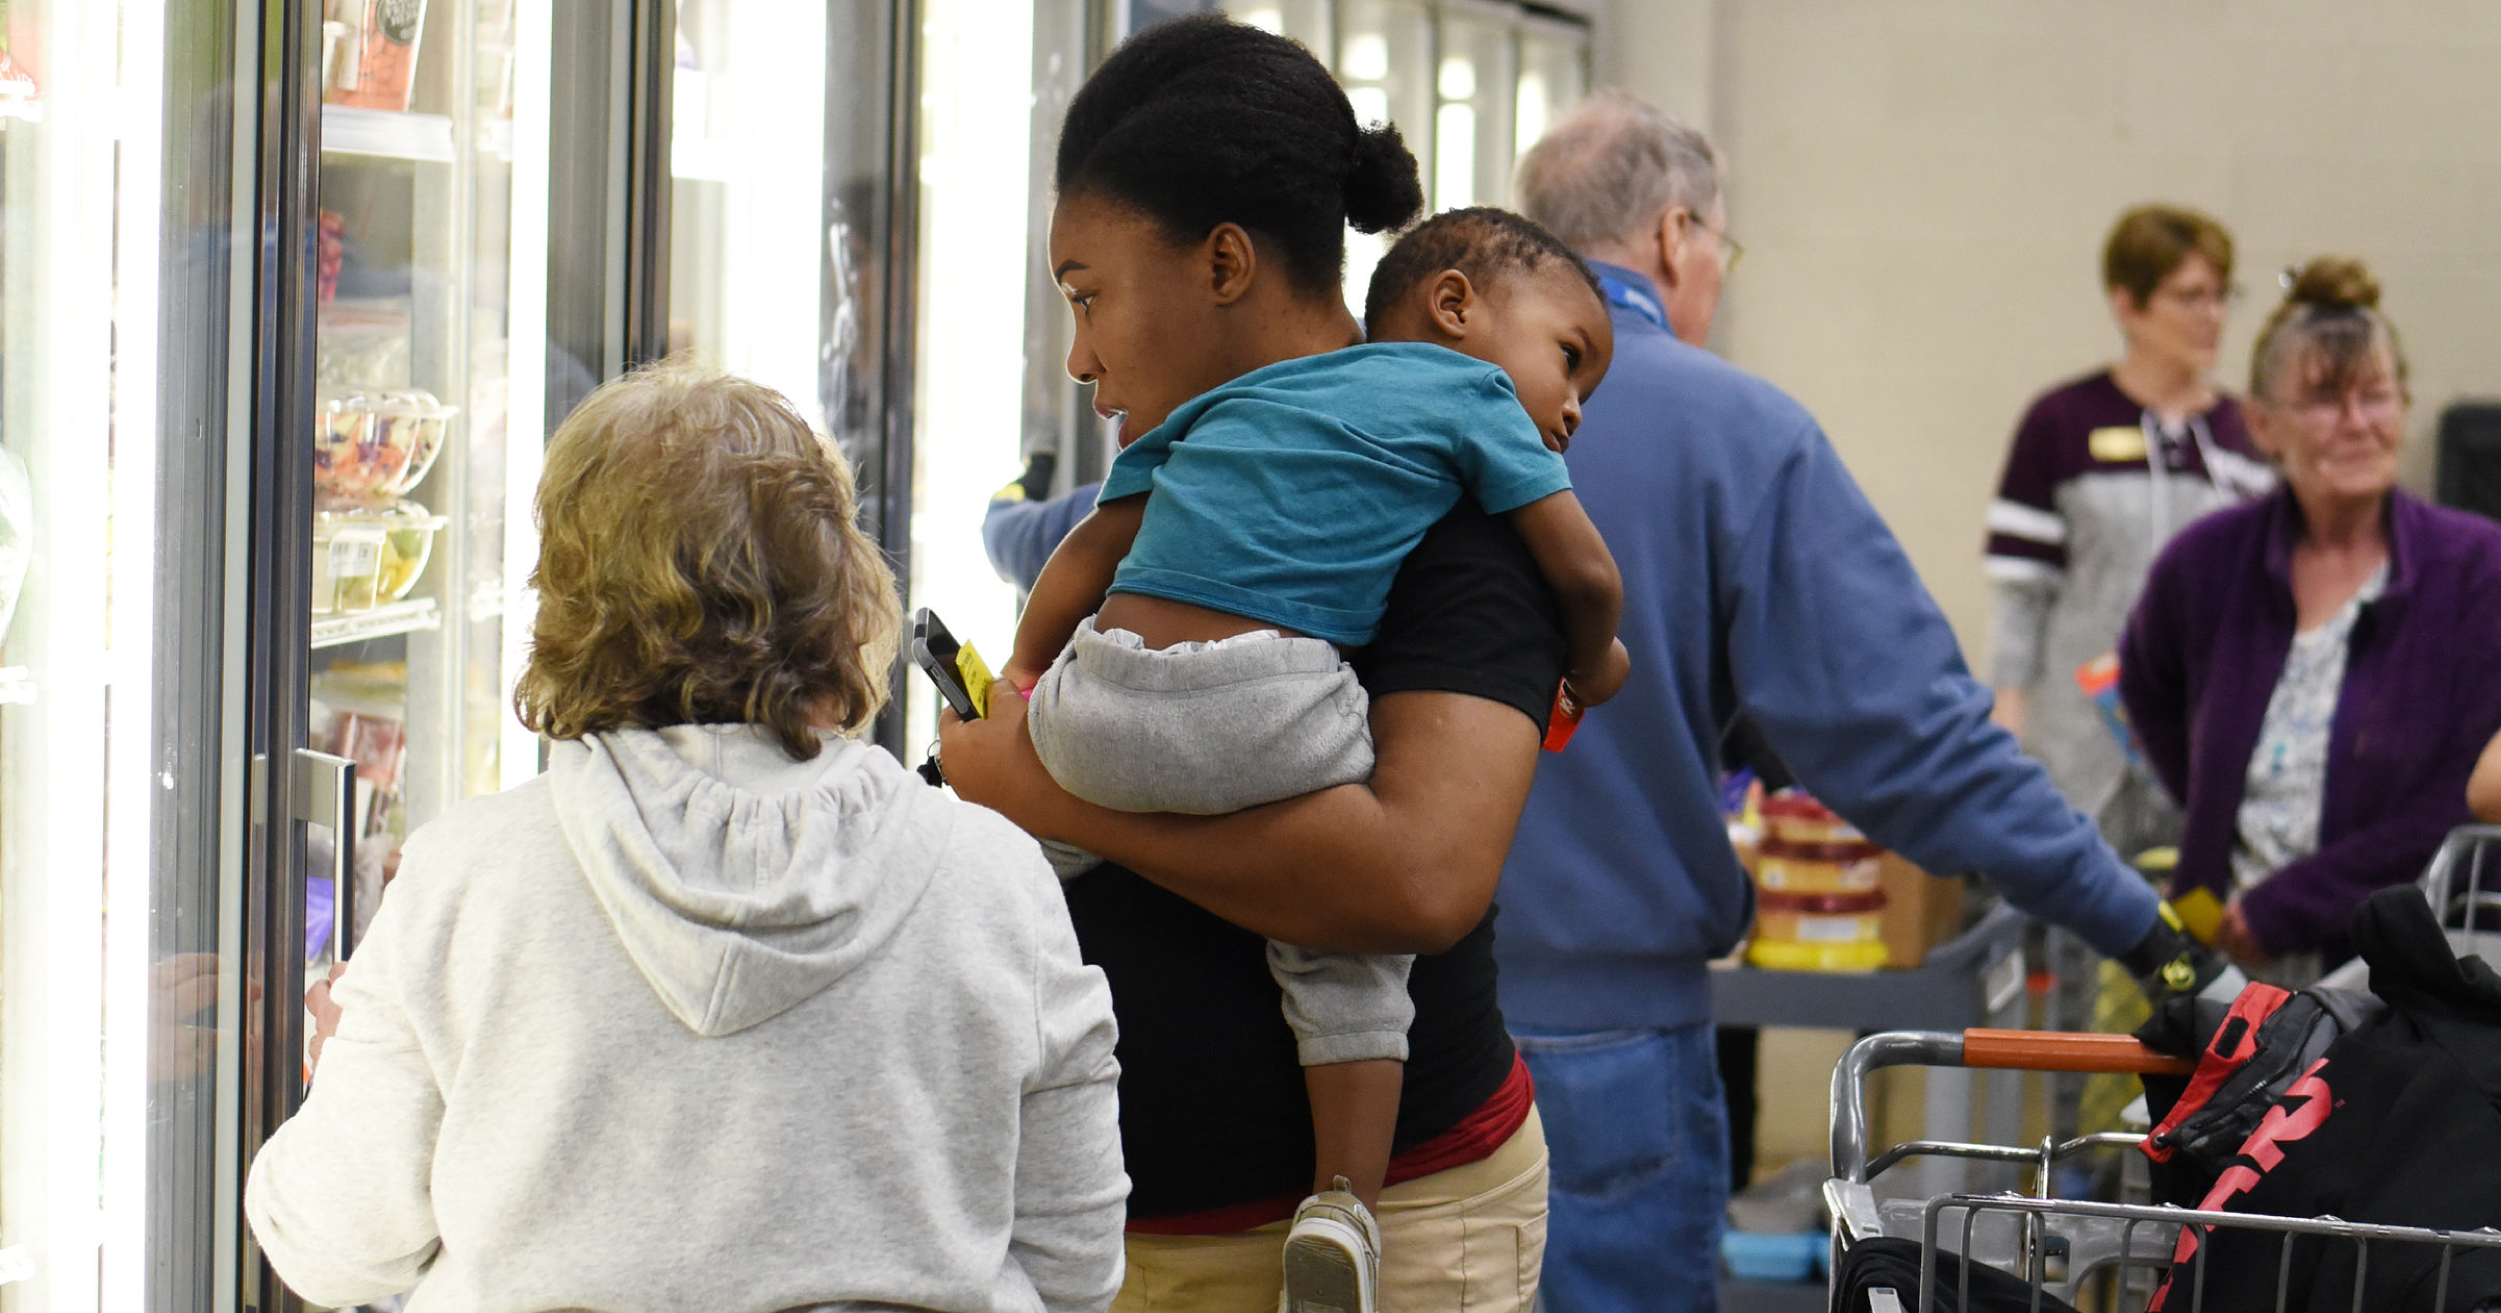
(2422, 695)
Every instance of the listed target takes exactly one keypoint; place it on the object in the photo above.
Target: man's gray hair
(1608, 169)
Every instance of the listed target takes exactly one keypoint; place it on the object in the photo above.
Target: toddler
(1183, 646)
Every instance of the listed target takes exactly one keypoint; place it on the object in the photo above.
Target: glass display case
(419, 539)
(976, 71)
(1553, 75)
(1474, 90)
(1385, 62)
(790, 252)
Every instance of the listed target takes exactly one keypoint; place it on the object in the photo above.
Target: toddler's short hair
(1485, 243)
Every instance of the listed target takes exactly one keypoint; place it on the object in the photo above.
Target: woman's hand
(2233, 938)
(991, 761)
(325, 1012)
(180, 988)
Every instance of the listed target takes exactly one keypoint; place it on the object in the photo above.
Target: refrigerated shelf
(348, 130)
(408, 617)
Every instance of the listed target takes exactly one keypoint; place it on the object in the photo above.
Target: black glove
(2167, 961)
(1037, 476)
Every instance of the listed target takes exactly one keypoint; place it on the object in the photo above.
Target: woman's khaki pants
(1469, 1240)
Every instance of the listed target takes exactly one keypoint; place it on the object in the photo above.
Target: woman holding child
(1206, 175)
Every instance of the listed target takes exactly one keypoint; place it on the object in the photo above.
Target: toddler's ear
(1452, 306)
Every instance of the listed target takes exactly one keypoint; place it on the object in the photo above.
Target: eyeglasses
(2378, 406)
(2203, 298)
(1730, 250)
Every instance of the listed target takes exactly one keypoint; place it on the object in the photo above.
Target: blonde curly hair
(701, 562)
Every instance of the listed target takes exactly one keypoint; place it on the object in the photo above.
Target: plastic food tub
(1785, 867)
(366, 556)
(371, 447)
(1819, 932)
(1793, 817)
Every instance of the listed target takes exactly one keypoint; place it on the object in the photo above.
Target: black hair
(1204, 121)
(1486, 244)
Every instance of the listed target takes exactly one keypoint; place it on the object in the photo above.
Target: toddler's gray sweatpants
(1209, 728)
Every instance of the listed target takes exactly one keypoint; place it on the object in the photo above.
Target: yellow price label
(977, 678)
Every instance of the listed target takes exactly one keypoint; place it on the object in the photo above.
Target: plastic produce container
(372, 447)
(365, 557)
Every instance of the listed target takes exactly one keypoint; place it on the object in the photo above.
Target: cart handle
(2026, 1050)
(2040, 1050)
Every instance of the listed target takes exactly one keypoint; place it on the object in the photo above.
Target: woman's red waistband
(1472, 1140)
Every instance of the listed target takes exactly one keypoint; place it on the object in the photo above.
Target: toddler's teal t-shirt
(1291, 494)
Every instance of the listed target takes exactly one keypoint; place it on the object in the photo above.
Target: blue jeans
(1638, 1133)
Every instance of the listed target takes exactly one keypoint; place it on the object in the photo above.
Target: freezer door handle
(325, 794)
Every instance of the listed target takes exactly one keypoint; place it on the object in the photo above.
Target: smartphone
(962, 677)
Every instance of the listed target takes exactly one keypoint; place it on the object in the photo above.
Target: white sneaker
(1333, 1256)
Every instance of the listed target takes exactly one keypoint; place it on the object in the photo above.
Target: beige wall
(1922, 187)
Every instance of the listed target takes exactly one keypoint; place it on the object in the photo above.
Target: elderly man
(1757, 582)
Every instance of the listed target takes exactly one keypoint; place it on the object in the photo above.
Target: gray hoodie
(685, 1024)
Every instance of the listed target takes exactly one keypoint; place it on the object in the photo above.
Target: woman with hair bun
(1207, 173)
(2313, 674)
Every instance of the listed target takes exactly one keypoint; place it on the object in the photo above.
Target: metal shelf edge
(350, 130)
(381, 622)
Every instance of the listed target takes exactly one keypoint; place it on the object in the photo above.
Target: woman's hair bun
(2333, 282)
(1382, 189)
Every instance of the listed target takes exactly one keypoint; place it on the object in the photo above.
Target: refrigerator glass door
(1472, 84)
(431, 365)
(790, 257)
(1554, 76)
(1385, 62)
(121, 338)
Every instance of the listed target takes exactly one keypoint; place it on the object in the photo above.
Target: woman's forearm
(1406, 865)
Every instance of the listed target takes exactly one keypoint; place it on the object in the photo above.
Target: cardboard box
(1920, 912)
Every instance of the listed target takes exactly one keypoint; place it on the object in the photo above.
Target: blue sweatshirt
(1757, 578)
(1020, 535)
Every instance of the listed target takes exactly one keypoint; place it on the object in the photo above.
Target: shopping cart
(2463, 883)
(2092, 1255)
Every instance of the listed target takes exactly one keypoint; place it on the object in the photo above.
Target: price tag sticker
(977, 678)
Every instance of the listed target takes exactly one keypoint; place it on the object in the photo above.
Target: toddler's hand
(1594, 687)
(1020, 677)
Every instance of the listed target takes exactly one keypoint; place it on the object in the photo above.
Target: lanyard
(1636, 299)
(2158, 462)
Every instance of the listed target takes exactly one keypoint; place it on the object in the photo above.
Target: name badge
(2117, 442)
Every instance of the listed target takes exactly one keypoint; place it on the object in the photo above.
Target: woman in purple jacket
(2313, 674)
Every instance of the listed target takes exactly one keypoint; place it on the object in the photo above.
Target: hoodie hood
(743, 883)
